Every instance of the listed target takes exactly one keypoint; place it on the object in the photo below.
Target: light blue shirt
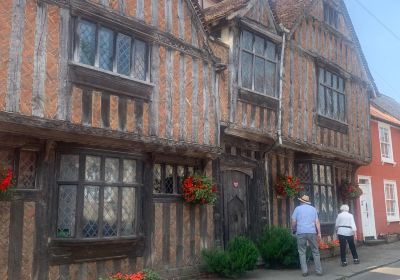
(305, 216)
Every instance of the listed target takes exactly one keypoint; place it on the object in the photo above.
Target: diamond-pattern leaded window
(112, 51)
(318, 184)
(168, 178)
(97, 195)
(258, 64)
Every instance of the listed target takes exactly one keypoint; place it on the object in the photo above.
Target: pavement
(371, 258)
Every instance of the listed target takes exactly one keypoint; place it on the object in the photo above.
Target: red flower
(6, 181)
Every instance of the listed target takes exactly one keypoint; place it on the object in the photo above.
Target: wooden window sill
(94, 77)
(258, 99)
(65, 251)
(332, 124)
(167, 197)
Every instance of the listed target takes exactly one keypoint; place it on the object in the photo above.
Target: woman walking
(346, 230)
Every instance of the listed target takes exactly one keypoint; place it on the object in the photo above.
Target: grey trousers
(302, 248)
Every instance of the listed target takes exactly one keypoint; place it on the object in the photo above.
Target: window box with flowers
(350, 191)
(288, 186)
(329, 249)
(198, 189)
(146, 274)
(6, 181)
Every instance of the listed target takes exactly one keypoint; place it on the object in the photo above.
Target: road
(390, 272)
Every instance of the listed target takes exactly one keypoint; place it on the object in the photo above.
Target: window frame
(80, 187)
(396, 217)
(326, 87)
(333, 15)
(310, 189)
(264, 57)
(98, 24)
(389, 159)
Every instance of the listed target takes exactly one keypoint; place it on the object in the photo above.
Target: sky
(379, 35)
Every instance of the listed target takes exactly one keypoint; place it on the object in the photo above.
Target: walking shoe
(344, 263)
(356, 261)
(319, 273)
(305, 274)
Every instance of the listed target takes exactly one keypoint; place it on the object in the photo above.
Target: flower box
(199, 190)
(287, 186)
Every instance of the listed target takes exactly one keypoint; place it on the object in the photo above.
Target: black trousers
(343, 240)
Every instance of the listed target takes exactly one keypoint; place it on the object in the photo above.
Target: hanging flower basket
(6, 181)
(288, 186)
(350, 190)
(198, 189)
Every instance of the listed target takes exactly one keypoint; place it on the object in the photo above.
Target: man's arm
(294, 225)
(318, 225)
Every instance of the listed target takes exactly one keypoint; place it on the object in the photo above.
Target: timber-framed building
(106, 105)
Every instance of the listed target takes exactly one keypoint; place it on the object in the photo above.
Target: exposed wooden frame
(258, 99)
(332, 124)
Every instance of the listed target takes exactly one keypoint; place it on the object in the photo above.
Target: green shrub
(278, 248)
(241, 255)
(151, 275)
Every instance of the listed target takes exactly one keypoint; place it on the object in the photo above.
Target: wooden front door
(235, 188)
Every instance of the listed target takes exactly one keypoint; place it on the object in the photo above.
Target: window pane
(129, 171)
(90, 225)
(328, 175)
(323, 213)
(190, 171)
(112, 170)
(157, 178)
(315, 173)
(304, 173)
(270, 76)
(69, 167)
(335, 106)
(110, 211)
(27, 170)
(321, 100)
(329, 106)
(271, 49)
(247, 71)
(169, 179)
(123, 54)
(322, 174)
(330, 203)
(341, 85)
(317, 199)
(181, 177)
(259, 74)
(128, 211)
(328, 78)
(87, 42)
(247, 40)
(66, 211)
(334, 81)
(92, 172)
(106, 48)
(341, 108)
(140, 60)
(259, 45)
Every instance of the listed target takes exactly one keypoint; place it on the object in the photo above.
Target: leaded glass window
(102, 47)
(331, 97)
(97, 195)
(168, 178)
(258, 59)
(331, 15)
(317, 180)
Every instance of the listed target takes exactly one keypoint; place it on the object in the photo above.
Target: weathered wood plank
(16, 234)
(122, 113)
(291, 90)
(168, 15)
(140, 9)
(168, 89)
(154, 12)
(206, 109)
(87, 107)
(181, 20)
(195, 113)
(182, 98)
(39, 70)
(139, 116)
(64, 98)
(192, 236)
(166, 233)
(179, 234)
(155, 72)
(15, 56)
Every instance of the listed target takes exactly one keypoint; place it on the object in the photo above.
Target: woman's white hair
(344, 207)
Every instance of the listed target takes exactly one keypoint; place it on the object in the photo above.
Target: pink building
(378, 208)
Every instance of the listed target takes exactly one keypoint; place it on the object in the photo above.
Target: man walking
(306, 224)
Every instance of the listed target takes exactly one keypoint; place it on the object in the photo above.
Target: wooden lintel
(261, 29)
(249, 135)
(64, 131)
(257, 99)
(332, 124)
(111, 82)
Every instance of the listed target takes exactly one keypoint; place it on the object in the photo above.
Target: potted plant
(350, 190)
(287, 186)
(198, 189)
